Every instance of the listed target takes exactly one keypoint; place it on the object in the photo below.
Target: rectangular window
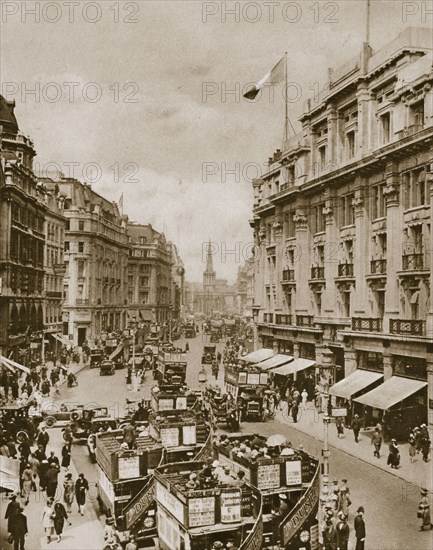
(80, 269)
(66, 246)
(80, 225)
(417, 115)
(322, 158)
(290, 228)
(378, 203)
(80, 246)
(346, 304)
(350, 144)
(385, 123)
(347, 210)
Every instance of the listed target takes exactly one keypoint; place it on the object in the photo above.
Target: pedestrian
(39, 454)
(81, 488)
(412, 446)
(43, 470)
(360, 531)
(343, 532)
(27, 479)
(52, 459)
(43, 438)
(129, 434)
(19, 530)
(12, 511)
(131, 544)
(60, 516)
(417, 433)
(425, 444)
(376, 440)
(109, 532)
(66, 456)
(295, 411)
(48, 519)
(52, 478)
(394, 454)
(344, 503)
(424, 512)
(356, 427)
(329, 536)
(68, 492)
(304, 397)
(25, 449)
(339, 423)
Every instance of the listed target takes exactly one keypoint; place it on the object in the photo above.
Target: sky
(144, 99)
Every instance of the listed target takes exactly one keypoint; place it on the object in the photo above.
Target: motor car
(107, 368)
(59, 414)
(209, 354)
(90, 421)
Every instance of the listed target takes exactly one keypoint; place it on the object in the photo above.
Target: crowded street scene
(201, 349)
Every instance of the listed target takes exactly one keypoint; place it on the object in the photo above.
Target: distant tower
(208, 281)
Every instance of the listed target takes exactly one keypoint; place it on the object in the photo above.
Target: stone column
(429, 258)
(332, 117)
(280, 252)
(349, 361)
(302, 266)
(332, 255)
(361, 256)
(394, 245)
(387, 364)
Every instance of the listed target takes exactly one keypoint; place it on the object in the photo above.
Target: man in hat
(12, 511)
(356, 427)
(240, 479)
(424, 512)
(343, 532)
(330, 536)
(217, 545)
(19, 529)
(43, 439)
(283, 507)
(360, 531)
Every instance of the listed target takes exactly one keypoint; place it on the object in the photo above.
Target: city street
(390, 503)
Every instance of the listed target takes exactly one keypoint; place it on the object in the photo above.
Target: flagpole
(367, 37)
(286, 128)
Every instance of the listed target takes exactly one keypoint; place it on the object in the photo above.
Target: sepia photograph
(216, 258)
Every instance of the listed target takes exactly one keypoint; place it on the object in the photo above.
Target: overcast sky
(132, 95)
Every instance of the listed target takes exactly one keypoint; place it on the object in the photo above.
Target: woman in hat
(424, 512)
(60, 516)
(68, 492)
(394, 454)
(81, 488)
(48, 515)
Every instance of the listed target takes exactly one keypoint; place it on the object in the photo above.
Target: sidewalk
(311, 422)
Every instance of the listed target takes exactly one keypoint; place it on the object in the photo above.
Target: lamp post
(169, 321)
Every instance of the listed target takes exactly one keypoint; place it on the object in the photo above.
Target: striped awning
(295, 366)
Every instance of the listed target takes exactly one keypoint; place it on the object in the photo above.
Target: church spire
(209, 261)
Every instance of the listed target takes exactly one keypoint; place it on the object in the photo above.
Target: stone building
(22, 241)
(96, 261)
(343, 221)
(149, 274)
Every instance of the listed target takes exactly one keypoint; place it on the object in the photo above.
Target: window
(80, 225)
(318, 302)
(289, 225)
(80, 269)
(144, 281)
(291, 174)
(417, 115)
(322, 158)
(318, 220)
(68, 203)
(81, 246)
(346, 303)
(380, 303)
(378, 203)
(66, 246)
(414, 304)
(350, 144)
(385, 125)
(347, 210)
(370, 360)
(414, 189)
(319, 255)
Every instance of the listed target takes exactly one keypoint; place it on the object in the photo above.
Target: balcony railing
(414, 327)
(367, 324)
(305, 320)
(413, 262)
(378, 267)
(317, 272)
(345, 270)
(82, 302)
(268, 317)
(288, 275)
(409, 131)
(283, 319)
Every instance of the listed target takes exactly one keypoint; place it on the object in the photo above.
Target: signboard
(189, 435)
(304, 511)
(268, 476)
(165, 404)
(181, 403)
(106, 486)
(201, 511)
(170, 502)
(336, 413)
(231, 377)
(170, 437)
(254, 378)
(242, 378)
(139, 504)
(129, 467)
(314, 537)
(231, 506)
(293, 472)
(264, 379)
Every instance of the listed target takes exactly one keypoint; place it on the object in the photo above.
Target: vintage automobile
(214, 336)
(59, 414)
(107, 367)
(96, 357)
(90, 421)
(189, 331)
(17, 422)
(209, 354)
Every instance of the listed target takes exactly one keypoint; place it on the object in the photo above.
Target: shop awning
(9, 474)
(354, 383)
(391, 392)
(258, 355)
(275, 361)
(61, 339)
(295, 366)
(13, 364)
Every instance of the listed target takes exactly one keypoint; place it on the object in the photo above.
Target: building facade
(149, 275)
(22, 242)
(96, 254)
(343, 220)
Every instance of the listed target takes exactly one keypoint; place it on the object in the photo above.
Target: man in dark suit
(19, 530)
(360, 529)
